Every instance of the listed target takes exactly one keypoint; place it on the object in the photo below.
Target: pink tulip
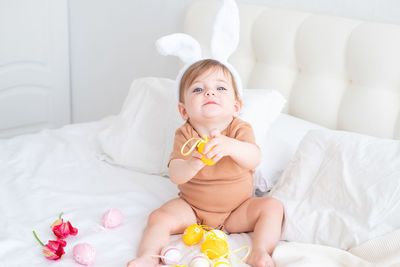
(53, 250)
(63, 229)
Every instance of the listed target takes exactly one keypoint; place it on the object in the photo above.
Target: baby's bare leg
(172, 218)
(263, 216)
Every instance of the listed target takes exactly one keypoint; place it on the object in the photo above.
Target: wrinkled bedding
(54, 171)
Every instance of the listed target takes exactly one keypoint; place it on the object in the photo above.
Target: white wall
(112, 42)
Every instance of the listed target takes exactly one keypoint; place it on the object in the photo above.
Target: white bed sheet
(58, 171)
(54, 171)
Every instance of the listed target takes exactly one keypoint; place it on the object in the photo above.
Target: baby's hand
(195, 161)
(218, 147)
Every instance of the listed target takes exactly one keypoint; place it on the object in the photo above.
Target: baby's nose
(210, 92)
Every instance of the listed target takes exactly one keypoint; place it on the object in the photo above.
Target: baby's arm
(247, 155)
(181, 171)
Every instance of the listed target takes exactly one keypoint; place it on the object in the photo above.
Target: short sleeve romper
(215, 191)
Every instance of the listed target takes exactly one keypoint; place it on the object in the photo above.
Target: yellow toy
(200, 142)
(193, 234)
(214, 247)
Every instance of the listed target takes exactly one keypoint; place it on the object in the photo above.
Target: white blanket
(56, 171)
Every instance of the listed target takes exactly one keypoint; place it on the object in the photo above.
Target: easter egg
(200, 148)
(222, 262)
(214, 247)
(84, 254)
(193, 234)
(170, 255)
(112, 218)
(199, 261)
(216, 233)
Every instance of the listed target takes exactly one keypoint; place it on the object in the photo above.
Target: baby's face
(211, 96)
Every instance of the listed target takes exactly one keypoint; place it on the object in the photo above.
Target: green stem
(61, 214)
(37, 238)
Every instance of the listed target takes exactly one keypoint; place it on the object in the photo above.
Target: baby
(219, 196)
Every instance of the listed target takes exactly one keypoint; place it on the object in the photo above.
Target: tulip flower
(63, 229)
(53, 250)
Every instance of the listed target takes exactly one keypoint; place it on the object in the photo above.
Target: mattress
(59, 170)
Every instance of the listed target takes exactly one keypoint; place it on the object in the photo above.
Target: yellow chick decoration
(193, 234)
(214, 247)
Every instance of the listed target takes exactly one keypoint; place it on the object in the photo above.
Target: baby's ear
(238, 107)
(182, 111)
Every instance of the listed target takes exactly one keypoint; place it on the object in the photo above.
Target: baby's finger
(213, 152)
(217, 157)
(197, 155)
(208, 146)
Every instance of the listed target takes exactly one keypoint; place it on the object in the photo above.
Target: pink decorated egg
(84, 254)
(112, 218)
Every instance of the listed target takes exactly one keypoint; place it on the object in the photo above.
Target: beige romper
(215, 191)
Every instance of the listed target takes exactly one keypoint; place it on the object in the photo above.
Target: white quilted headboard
(338, 72)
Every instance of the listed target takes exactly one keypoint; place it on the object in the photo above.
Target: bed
(324, 99)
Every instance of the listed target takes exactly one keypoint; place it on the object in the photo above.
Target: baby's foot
(144, 261)
(260, 258)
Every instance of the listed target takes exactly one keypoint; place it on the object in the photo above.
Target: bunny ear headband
(224, 41)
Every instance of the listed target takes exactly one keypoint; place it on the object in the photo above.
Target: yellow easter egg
(200, 148)
(214, 247)
(193, 234)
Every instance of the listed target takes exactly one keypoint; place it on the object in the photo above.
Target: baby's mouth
(210, 103)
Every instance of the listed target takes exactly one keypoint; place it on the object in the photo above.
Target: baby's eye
(221, 88)
(197, 90)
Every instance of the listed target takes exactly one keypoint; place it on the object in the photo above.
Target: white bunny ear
(181, 45)
(225, 35)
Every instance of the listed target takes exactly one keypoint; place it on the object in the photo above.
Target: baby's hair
(199, 68)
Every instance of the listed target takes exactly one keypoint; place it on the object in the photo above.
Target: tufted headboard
(338, 72)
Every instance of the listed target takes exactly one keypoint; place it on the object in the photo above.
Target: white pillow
(142, 135)
(278, 148)
(141, 138)
(341, 189)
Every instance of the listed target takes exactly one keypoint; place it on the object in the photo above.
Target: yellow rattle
(214, 247)
(200, 142)
(193, 234)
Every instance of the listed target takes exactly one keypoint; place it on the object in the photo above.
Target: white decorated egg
(216, 233)
(170, 255)
(199, 261)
